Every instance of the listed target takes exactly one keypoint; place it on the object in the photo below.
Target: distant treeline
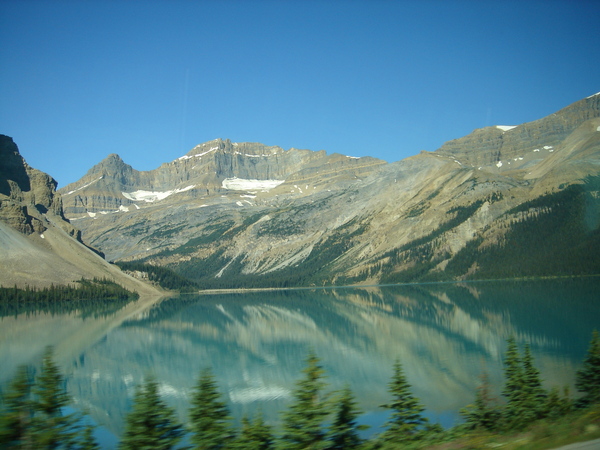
(556, 234)
(87, 294)
(31, 413)
(163, 276)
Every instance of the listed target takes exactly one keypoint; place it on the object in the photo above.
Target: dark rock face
(27, 194)
(13, 172)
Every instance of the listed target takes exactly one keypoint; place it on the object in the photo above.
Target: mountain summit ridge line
(249, 215)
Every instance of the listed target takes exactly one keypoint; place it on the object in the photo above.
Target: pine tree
(535, 395)
(343, 432)
(515, 413)
(209, 416)
(513, 372)
(556, 405)
(87, 441)
(151, 424)
(587, 379)
(254, 435)
(523, 390)
(303, 422)
(51, 429)
(482, 413)
(16, 412)
(406, 420)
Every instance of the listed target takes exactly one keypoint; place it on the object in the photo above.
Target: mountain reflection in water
(445, 335)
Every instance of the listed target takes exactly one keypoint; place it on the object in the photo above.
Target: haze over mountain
(502, 201)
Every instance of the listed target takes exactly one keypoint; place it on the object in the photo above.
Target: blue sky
(151, 79)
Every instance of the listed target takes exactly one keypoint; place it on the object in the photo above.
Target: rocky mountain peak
(247, 214)
(13, 173)
(494, 146)
(39, 247)
(110, 166)
(26, 194)
(247, 211)
(211, 169)
(247, 149)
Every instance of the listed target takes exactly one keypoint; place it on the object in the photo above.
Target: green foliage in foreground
(151, 423)
(31, 414)
(588, 377)
(209, 416)
(303, 422)
(344, 429)
(406, 422)
(526, 400)
(87, 294)
(254, 435)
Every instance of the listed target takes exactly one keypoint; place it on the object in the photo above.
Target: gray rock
(229, 209)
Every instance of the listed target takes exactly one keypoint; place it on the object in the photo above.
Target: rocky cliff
(209, 169)
(244, 214)
(38, 245)
(26, 194)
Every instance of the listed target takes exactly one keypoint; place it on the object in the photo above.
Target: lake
(445, 334)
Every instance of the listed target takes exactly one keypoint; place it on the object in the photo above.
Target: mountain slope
(242, 214)
(38, 246)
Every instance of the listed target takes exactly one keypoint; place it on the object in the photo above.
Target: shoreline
(357, 286)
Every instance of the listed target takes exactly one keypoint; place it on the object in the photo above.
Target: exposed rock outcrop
(27, 194)
(245, 213)
(112, 184)
(491, 145)
(38, 245)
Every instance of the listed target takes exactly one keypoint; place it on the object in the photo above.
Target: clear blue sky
(150, 79)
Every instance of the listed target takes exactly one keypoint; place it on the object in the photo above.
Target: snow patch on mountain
(197, 155)
(240, 184)
(85, 185)
(153, 196)
(248, 155)
(506, 127)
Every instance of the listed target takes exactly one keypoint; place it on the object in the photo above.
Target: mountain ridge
(238, 214)
(39, 246)
(495, 144)
(207, 165)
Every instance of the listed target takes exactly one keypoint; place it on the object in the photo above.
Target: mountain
(504, 201)
(38, 245)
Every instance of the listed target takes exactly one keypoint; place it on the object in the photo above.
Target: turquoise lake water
(445, 335)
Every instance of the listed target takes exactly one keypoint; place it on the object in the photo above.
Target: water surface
(445, 335)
